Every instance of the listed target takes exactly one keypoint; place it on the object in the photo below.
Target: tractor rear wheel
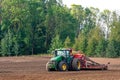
(63, 66)
(76, 64)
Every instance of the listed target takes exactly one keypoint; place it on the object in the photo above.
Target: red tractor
(64, 60)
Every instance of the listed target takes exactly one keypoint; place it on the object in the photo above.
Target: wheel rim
(64, 67)
(78, 64)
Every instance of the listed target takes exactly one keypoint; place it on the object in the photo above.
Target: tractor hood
(57, 58)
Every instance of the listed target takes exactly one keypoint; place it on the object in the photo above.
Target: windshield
(64, 53)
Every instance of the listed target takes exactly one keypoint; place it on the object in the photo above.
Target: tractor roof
(64, 49)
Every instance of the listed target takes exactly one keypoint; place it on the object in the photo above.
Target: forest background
(30, 27)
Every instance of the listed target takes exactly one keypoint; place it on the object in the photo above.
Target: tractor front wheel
(47, 68)
(63, 66)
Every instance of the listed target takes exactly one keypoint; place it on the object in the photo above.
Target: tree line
(30, 27)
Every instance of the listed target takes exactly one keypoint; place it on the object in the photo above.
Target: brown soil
(33, 68)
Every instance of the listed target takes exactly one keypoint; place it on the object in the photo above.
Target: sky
(101, 4)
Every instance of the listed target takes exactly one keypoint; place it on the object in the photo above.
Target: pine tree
(80, 43)
(67, 43)
(111, 50)
(101, 48)
(56, 43)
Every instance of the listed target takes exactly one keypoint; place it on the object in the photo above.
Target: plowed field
(33, 68)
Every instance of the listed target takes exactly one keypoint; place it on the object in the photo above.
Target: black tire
(62, 66)
(76, 64)
(49, 69)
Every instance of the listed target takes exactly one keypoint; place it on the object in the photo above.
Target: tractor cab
(65, 53)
